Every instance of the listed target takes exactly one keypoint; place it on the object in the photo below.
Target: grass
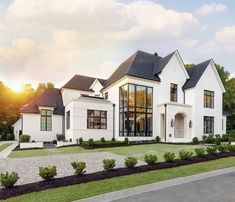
(4, 146)
(137, 151)
(76, 192)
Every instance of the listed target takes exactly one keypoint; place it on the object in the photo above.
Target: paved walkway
(28, 167)
(214, 186)
(8, 150)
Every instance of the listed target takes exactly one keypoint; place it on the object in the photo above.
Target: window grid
(174, 92)
(96, 119)
(46, 120)
(208, 125)
(135, 107)
(68, 120)
(208, 99)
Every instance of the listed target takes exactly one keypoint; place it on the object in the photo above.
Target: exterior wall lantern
(190, 124)
(172, 123)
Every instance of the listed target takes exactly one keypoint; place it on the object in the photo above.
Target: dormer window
(173, 92)
(46, 120)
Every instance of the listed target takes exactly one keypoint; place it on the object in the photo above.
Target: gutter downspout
(114, 121)
(165, 105)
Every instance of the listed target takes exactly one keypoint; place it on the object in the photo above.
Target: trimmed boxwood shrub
(195, 140)
(231, 148)
(130, 162)
(204, 138)
(91, 142)
(10, 136)
(8, 180)
(48, 173)
(102, 140)
(158, 139)
(79, 167)
(169, 156)
(126, 140)
(80, 140)
(200, 152)
(109, 164)
(60, 137)
(211, 150)
(150, 159)
(210, 139)
(24, 138)
(185, 155)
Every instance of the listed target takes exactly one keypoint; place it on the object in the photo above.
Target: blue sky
(51, 40)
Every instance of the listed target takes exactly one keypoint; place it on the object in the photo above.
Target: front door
(179, 126)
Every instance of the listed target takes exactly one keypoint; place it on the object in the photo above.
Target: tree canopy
(11, 102)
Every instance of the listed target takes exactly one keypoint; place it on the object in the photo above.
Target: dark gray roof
(49, 98)
(195, 73)
(162, 63)
(140, 64)
(79, 82)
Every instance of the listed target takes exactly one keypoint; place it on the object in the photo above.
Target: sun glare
(16, 87)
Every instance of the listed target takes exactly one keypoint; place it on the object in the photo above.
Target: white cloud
(207, 9)
(188, 42)
(224, 40)
(57, 39)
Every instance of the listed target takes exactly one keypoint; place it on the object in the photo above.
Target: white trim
(94, 82)
(217, 75)
(182, 63)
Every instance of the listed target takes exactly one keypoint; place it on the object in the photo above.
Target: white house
(147, 96)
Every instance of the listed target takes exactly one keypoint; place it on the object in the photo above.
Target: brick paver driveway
(28, 167)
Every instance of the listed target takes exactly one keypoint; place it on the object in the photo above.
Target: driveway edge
(156, 186)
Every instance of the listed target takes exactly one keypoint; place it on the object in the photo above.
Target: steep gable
(140, 64)
(196, 73)
(79, 82)
(49, 98)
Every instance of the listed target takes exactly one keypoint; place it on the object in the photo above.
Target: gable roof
(140, 64)
(79, 82)
(162, 63)
(195, 73)
(49, 98)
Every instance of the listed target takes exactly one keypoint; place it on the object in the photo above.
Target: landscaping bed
(72, 180)
(108, 144)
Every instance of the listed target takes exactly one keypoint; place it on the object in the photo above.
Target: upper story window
(208, 125)
(46, 120)
(96, 119)
(174, 93)
(106, 95)
(68, 120)
(208, 99)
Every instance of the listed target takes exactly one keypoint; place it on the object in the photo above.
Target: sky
(52, 40)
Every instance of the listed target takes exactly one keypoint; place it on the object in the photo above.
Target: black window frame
(47, 116)
(94, 120)
(174, 95)
(208, 124)
(128, 113)
(106, 95)
(68, 120)
(209, 99)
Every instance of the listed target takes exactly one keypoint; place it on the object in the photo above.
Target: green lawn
(136, 150)
(76, 192)
(4, 146)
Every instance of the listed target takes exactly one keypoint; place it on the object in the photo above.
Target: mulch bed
(101, 175)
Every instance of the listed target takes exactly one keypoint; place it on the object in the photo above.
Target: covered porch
(175, 122)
